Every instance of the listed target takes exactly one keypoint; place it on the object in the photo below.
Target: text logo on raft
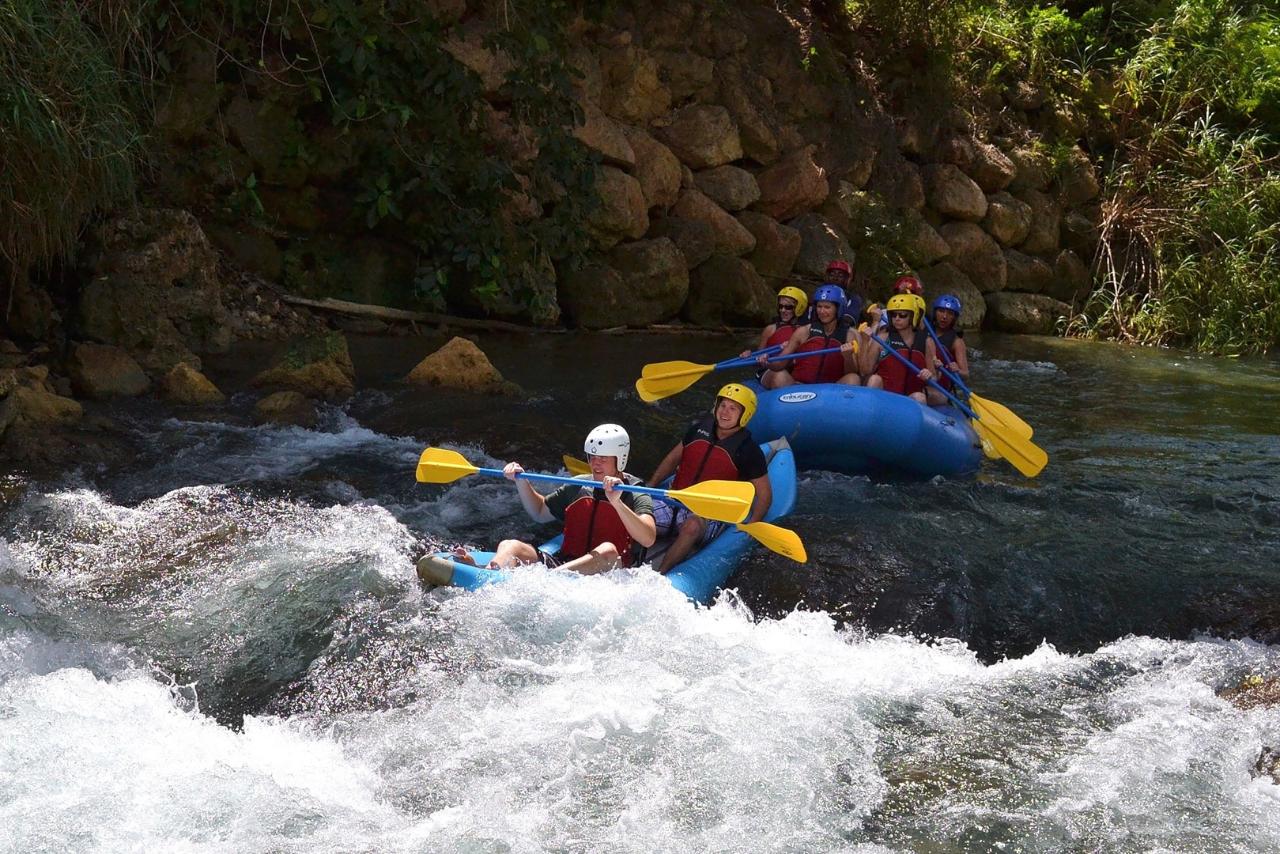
(797, 396)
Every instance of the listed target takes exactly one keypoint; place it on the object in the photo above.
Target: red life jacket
(591, 520)
(826, 368)
(781, 335)
(708, 457)
(896, 377)
(948, 338)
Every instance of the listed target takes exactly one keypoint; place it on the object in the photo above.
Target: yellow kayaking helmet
(906, 302)
(741, 395)
(792, 292)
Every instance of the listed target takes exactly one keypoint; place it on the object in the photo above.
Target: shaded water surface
(217, 643)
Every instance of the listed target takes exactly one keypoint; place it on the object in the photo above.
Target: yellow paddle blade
(989, 411)
(658, 369)
(988, 449)
(1023, 454)
(722, 500)
(781, 540)
(656, 388)
(576, 466)
(437, 465)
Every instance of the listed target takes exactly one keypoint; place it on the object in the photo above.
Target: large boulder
(623, 211)
(656, 168)
(1071, 278)
(1008, 219)
(1080, 232)
(686, 74)
(1043, 235)
(820, 243)
(1031, 170)
(695, 239)
(187, 386)
(726, 290)
(730, 187)
(34, 408)
(741, 91)
(952, 193)
(632, 91)
(155, 290)
(921, 243)
(792, 185)
(1077, 182)
(897, 180)
(318, 366)
(731, 237)
(1026, 314)
(267, 133)
(491, 66)
(100, 371)
(976, 254)
(606, 137)
(460, 364)
(703, 136)
(635, 285)
(286, 408)
(982, 161)
(777, 245)
(946, 278)
(1027, 273)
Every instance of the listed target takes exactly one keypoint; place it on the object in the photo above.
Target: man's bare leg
(690, 534)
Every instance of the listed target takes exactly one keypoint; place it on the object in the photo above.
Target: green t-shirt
(558, 502)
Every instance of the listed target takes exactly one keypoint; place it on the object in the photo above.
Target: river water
(216, 641)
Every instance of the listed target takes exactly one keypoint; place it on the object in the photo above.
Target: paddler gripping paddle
(773, 537)
(722, 500)
(1022, 453)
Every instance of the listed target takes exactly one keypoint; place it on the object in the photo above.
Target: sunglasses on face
(786, 306)
(899, 314)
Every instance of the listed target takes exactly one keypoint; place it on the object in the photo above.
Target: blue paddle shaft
(916, 370)
(743, 361)
(807, 355)
(555, 478)
(946, 355)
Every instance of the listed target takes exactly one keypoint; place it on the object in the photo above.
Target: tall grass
(69, 134)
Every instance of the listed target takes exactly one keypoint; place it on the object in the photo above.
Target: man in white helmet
(603, 528)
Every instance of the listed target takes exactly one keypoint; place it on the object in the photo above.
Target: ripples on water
(221, 646)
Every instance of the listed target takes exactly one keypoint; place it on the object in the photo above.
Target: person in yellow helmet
(905, 336)
(717, 446)
(793, 304)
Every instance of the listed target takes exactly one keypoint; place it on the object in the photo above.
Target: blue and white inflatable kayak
(698, 577)
(859, 430)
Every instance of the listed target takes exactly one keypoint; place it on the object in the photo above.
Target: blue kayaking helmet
(833, 294)
(946, 301)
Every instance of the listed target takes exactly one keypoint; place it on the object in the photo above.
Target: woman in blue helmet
(944, 315)
(826, 329)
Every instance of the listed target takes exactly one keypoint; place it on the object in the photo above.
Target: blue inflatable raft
(698, 577)
(858, 430)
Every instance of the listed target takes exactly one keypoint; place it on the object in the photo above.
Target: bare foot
(461, 555)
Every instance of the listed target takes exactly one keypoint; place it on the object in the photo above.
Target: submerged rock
(460, 364)
(185, 385)
(317, 366)
(286, 407)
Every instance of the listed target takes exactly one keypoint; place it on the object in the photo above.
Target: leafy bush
(69, 139)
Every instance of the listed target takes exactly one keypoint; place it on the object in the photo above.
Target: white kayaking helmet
(609, 440)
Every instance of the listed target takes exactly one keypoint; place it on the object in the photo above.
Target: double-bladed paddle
(773, 537)
(654, 385)
(1021, 452)
(722, 500)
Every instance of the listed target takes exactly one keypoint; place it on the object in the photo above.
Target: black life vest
(948, 338)
(828, 367)
(707, 457)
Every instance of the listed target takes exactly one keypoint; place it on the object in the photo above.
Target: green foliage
(433, 163)
(69, 142)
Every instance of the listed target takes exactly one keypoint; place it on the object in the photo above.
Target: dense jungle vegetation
(1178, 101)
